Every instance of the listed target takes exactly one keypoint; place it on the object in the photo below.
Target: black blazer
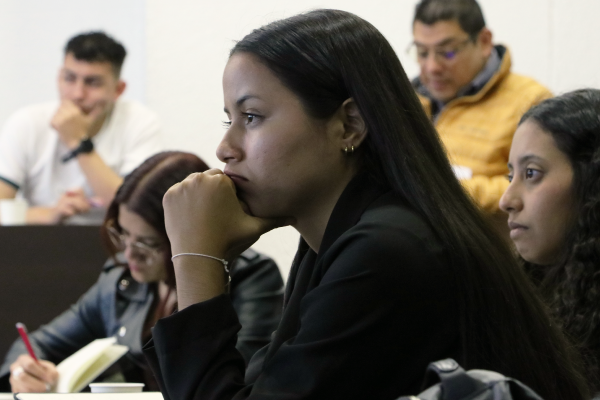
(362, 319)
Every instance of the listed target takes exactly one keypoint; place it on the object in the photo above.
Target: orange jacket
(477, 130)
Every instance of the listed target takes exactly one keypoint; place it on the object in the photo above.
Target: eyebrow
(85, 77)
(527, 158)
(438, 44)
(140, 238)
(242, 100)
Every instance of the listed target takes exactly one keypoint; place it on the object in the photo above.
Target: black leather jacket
(117, 305)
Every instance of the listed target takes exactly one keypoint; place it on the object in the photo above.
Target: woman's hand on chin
(203, 215)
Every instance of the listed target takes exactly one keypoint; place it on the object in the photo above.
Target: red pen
(23, 332)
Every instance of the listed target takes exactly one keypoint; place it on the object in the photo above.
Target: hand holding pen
(28, 373)
(23, 332)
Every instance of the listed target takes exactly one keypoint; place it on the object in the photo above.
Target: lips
(438, 85)
(84, 109)
(135, 267)
(237, 179)
(516, 230)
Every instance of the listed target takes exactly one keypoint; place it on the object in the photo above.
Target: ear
(355, 128)
(484, 39)
(121, 85)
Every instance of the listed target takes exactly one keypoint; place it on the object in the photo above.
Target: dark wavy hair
(328, 56)
(142, 192)
(572, 286)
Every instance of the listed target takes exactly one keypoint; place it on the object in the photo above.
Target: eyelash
(529, 172)
(250, 118)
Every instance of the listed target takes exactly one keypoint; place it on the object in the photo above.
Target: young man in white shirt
(67, 159)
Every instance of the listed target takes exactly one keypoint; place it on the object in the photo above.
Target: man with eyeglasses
(67, 158)
(467, 88)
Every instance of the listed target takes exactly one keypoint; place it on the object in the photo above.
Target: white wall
(551, 40)
(177, 51)
(33, 34)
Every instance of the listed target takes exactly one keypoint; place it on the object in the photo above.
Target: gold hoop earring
(352, 150)
(346, 150)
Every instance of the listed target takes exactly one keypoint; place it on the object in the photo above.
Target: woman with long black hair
(396, 267)
(553, 203)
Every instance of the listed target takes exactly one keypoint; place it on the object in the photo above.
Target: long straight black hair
(328, 56)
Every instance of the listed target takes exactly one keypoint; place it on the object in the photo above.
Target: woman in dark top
(137, 286)
(553, 203)
(396, 267)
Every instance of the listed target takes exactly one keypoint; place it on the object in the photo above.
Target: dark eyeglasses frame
(150, 254)
(443, 55)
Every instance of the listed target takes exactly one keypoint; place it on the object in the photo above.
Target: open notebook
(78, 370)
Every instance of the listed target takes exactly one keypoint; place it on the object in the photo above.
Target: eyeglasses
(443, 54)
(148, 253)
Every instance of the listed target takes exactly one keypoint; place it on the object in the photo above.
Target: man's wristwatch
(85, 146)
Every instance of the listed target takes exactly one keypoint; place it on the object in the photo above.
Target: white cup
(13, 212)
(116, 387)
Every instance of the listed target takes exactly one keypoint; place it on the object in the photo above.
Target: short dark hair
(143, 190)
(466, 12)
(97, 47)
(328, 56)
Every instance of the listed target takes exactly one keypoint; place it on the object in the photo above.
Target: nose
(230, 148)
(431, 64)
(511, 200)
(78, 90)
(131, 253)
(128, 252)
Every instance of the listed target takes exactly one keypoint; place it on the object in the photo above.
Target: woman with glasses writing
(137, 286)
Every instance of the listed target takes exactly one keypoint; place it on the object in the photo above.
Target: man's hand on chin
(72, 124)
